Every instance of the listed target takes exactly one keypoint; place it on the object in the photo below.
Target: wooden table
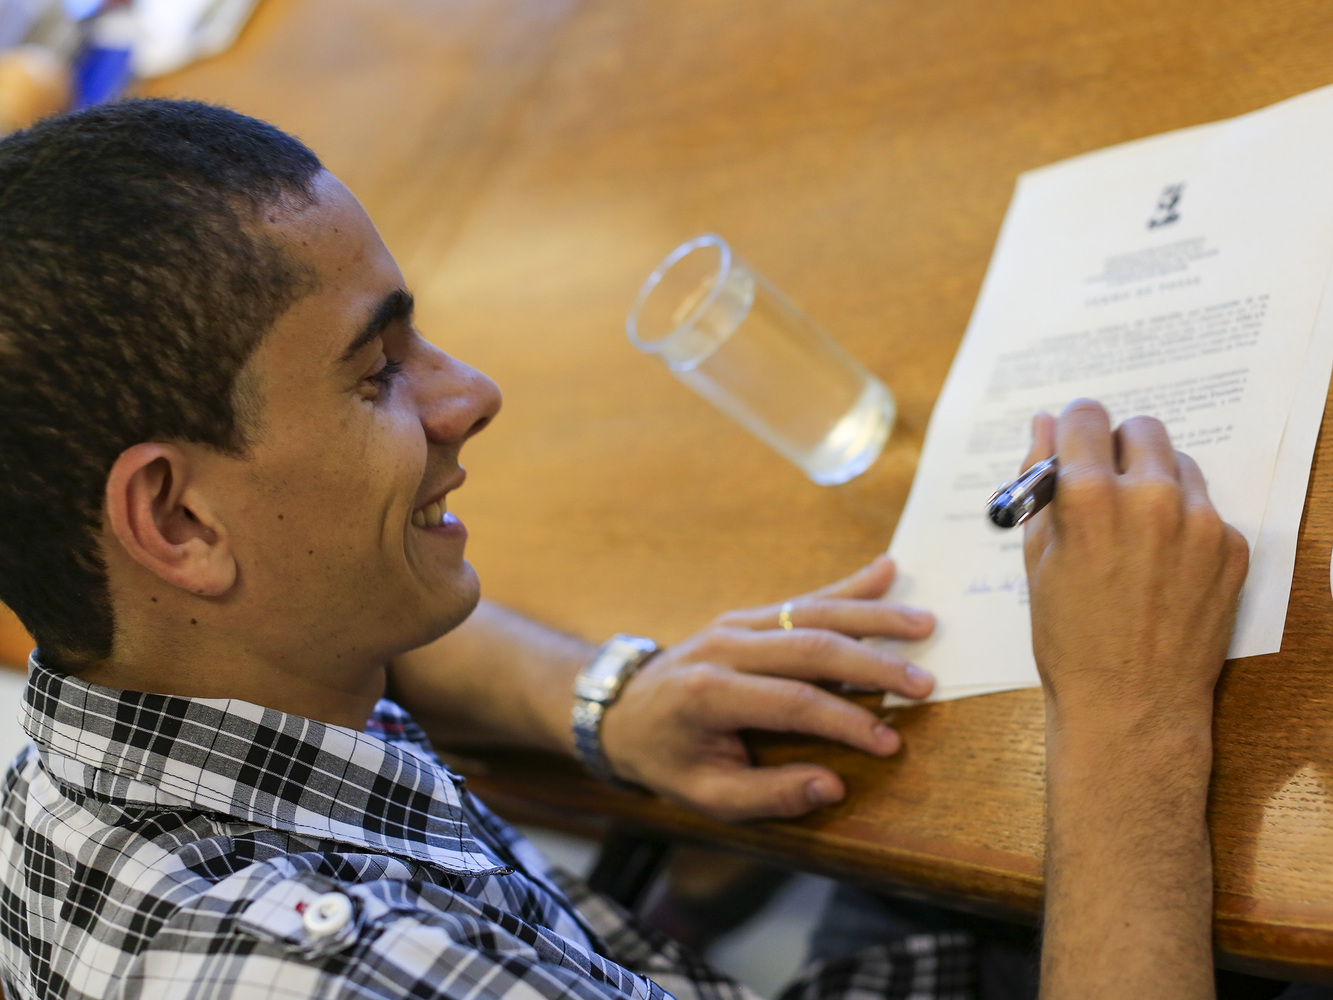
(530, 161)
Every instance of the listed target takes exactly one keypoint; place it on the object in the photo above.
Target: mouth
(435, 513)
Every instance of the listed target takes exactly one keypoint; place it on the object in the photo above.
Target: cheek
(341, 497)
(377, 477)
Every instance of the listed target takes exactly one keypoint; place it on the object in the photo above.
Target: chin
(453, 607)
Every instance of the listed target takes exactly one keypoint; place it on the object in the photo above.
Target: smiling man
(226, 458)
(325, 542)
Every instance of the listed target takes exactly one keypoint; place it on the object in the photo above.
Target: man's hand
(502, 678)
(676, 728)
(1133, 576)
(1133, 580)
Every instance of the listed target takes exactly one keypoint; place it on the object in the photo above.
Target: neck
(328, 692)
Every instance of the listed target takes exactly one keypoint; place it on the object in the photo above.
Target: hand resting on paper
(676, 728)
(1134, 581)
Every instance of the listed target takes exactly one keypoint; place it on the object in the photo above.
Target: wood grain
(14, 641)
(531, 161)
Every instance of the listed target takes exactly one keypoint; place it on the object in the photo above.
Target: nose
(456, 400)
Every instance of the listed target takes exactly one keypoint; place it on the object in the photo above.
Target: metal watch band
(598, 686)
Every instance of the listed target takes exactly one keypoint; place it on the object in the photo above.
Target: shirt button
(327, 915)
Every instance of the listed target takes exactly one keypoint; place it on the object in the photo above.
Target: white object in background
(1207, 310)
(119, 28)
(17, 18)
(78, 10)
(174, 33)
(12, 736)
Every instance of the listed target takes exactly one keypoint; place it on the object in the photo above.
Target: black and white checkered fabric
(155, 846)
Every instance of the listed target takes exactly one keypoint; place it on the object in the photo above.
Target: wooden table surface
(530, 161)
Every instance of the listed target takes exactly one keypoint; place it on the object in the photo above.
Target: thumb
(786, 791)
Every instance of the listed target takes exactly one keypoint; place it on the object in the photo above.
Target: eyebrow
(397, 306)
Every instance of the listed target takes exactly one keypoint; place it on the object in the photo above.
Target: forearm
(499, 678)
(1129, 871)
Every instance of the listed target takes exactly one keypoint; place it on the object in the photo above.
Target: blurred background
(530, 161)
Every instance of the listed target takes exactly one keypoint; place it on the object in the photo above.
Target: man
(227, 456)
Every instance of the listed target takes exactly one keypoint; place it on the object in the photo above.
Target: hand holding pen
(1133, 579)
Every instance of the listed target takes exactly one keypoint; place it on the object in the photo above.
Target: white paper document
(1180, 276)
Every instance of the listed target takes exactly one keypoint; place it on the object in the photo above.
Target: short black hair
(135, 284)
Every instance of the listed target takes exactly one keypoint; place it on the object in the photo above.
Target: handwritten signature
(1014, 583)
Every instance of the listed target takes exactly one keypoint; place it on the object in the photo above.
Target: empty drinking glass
(727, 333)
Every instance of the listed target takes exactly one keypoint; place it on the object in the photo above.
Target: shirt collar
(384, 791)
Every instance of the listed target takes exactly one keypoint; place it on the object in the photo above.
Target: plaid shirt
(155, 846)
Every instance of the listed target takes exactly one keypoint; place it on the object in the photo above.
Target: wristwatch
(596, 688)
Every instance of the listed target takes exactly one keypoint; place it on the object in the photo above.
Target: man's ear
(163, 521)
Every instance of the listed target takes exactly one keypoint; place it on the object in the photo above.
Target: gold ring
(784, 616)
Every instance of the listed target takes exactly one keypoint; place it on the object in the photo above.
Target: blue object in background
(102, 67)
(100, 74)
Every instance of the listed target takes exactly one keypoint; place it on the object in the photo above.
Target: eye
(383, 377)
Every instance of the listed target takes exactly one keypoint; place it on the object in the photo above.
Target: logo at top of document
(1166, 206)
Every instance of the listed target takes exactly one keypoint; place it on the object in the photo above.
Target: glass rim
(653, 280)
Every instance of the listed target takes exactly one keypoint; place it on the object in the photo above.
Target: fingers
(1139, 447)
(870, 581)
(1043, 440)
(817, 655)
(730, 701)
(853, 606)
(677, 731)
(1036, 531)
(1192, 483)
(1144, 449)
(1200, 507)
(788, 790)
(854, 618)
(822, 644)
(1083, 439)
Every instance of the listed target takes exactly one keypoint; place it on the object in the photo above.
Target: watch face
(605, 668)
(600, 680)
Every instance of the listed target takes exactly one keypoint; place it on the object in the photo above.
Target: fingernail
(920, 617)
(820, 792)
(919, 678)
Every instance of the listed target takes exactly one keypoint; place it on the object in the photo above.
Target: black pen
(1013, 503)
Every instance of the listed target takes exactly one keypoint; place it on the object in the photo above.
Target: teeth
(430, 515)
